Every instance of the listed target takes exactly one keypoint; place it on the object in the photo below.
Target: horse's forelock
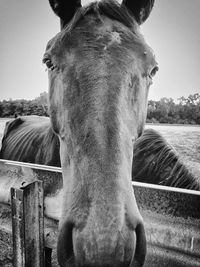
(110, 9)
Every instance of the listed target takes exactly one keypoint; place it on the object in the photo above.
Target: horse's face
(100, 70)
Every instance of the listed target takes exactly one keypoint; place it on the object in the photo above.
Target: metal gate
(171, 216)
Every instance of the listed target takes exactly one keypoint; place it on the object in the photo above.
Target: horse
(157, 162)
(30, 139)
(100, 70)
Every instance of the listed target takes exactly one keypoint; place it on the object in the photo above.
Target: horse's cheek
(55, 94)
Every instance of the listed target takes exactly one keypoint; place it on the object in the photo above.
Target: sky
(172, 30)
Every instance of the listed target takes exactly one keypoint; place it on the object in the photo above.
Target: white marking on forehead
(115, 38)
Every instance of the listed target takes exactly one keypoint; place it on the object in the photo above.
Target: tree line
(165, 110)
(22, 107)
(185, 111)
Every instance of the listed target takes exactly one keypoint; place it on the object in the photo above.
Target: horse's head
(100, 70)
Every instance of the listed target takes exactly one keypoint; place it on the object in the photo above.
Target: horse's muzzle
(100, 247)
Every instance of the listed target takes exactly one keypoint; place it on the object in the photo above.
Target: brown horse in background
(157, 162)
(100, 70)
(30, 139)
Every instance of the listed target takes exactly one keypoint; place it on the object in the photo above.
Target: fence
(171, 216)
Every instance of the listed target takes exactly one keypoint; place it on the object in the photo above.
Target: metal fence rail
(171, 216)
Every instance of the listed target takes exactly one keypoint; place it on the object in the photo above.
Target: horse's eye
(48, 63)
(153, 72)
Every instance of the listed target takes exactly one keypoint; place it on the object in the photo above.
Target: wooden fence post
(17, 227)
(28, 225)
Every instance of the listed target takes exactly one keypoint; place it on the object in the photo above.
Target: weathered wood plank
(18, 227)
(28, 225)
(34, 225)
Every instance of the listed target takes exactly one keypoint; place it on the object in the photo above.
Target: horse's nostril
(140, 251)
(65, 251)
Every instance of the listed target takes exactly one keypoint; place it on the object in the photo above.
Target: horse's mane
(110, 9)
(156, 159)
(30, 139)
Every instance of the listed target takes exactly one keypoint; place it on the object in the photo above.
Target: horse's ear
(141, 9)
(65, 9)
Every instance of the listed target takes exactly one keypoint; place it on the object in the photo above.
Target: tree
(42, 101)
(187, 111)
